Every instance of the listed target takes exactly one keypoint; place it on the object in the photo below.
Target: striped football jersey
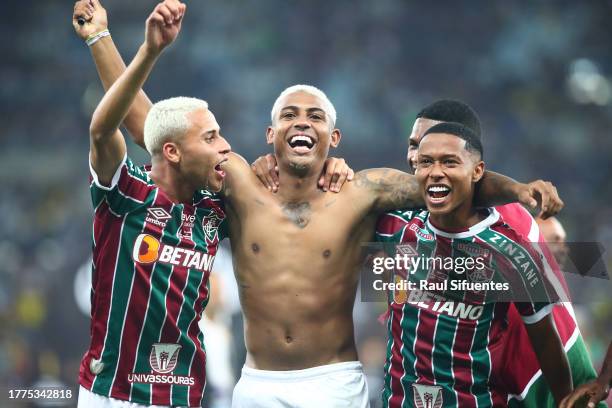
(151, 263)
(443, 351)
(524, 382)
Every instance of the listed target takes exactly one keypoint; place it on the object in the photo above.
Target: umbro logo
(157, 216)
(158, 213)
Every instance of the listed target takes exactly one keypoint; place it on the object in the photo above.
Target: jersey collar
(475, 229)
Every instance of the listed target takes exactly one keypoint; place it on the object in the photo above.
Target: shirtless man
(296, 252)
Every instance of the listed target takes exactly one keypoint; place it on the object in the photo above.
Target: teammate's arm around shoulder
(496, 189)
(107, 143)
(389, 189)
(239, 178)
(551, 356)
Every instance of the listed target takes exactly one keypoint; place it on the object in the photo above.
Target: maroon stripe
(516, 217)
(423, 348)
(133, 186)
(389, 224)
(198, 367)
(135, 319)
(170, 333)
(462, 363)
(105, 228)
(396, 369)
(132, 326)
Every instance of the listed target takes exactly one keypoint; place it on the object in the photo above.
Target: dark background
(537, 72)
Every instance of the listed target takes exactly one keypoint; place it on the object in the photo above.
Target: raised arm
(107, 143)
(108, 61)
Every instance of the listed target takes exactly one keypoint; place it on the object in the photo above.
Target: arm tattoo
(393, 188)
(298, 213)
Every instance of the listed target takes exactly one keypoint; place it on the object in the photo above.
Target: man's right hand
(94, 15)
(590, 393)
(163, 25)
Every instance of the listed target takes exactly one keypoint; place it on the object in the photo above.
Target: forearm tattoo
(393, 188)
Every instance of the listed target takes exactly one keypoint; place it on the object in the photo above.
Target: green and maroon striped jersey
(443, 345)
(151, 263)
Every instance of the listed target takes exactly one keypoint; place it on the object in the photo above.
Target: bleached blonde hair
(168, 120)
(327, 107)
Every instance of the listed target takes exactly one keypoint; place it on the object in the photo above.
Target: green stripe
(97, 194)
(539, 395)
(442, 356)
(122, 204)
(122, 285)
(180, 392)
(481, 362)
(153, 323)
(409, 327)
(409, 339)
(387, 380)
(526, 263)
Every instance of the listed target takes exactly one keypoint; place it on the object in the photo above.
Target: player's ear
(478, 171)
(171, 152)
(270, 135)
(335, 138)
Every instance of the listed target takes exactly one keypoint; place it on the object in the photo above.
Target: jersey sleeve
(223, 230)
(389, 226)
(128, 190)
(535, 293)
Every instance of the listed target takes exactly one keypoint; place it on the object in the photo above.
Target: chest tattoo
(298, 213)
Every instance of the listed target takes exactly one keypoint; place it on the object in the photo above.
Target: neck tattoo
(298, 213)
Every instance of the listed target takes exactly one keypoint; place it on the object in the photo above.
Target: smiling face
(446, 173)
(202, 151)
(302, 133)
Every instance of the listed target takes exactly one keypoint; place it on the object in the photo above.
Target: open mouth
(219, 168)
(301, 143)
(438, 192)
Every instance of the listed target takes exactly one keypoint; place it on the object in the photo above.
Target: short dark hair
(451, 110)
(472, 140)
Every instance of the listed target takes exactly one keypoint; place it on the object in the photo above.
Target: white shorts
(340, 385)
(88, 399)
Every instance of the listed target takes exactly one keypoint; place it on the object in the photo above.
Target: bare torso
(297, 270)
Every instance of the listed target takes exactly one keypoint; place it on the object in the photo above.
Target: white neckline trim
(475, 229)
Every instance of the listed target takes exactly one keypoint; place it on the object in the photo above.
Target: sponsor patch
(427, 396)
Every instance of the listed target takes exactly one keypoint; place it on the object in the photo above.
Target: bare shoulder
(236, 164)
(388, 189)
(240, 182)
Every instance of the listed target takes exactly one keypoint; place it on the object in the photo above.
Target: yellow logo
(146, 249)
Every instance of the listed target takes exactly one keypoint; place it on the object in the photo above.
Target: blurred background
(539, 74)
